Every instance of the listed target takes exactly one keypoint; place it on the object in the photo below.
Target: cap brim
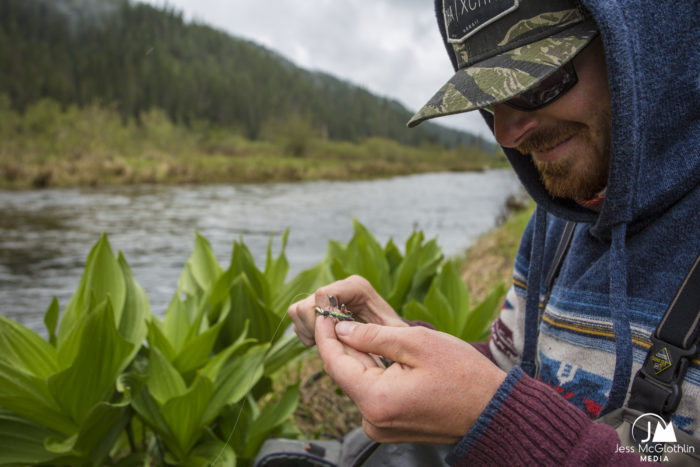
(504, 76)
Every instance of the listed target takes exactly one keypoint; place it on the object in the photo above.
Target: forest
(138, 57)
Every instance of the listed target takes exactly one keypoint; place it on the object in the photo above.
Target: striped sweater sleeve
(528, 423)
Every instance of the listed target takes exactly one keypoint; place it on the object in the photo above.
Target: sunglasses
(547, 91)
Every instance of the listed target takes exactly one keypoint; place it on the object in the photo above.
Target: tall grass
(48, 145)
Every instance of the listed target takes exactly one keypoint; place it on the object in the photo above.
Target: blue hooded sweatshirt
(626, 262)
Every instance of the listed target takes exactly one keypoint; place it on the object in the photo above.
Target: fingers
(352, 370)
(354, 290)
(399, 344)
(303, 316)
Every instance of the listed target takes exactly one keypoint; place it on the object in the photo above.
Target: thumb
(395, 343)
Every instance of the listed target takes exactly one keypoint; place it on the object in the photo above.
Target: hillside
(138, 57)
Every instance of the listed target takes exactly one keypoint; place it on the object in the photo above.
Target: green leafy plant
(206, 380)
(112, 383)
(399, 278)
(60, 399)
(419, 284)
(447, 306)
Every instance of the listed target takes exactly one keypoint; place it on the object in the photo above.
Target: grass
(48, 146)
(490, 259)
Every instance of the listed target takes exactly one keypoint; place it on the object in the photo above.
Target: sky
(390, 47)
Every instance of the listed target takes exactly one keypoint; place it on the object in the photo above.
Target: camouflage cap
(505, 47)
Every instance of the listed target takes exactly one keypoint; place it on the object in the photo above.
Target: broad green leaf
(455, 292)
(197, 350)
(23, 348)
(365, 256)
(213, 366)
(220, 293)
(29, 396)
(137, 459)
(22, 441)
(213, 453)
(102, 277)
(132, 317)
(246, 305)
(148, 409)
(236, 378)
(164, 381)
(204, 267)
(270, 417)
(97, 434)
(186, 283)
(480, 318)
(282, 352)
(242, 262)
(429, 259)
(185, 414)
(235, 421)
(200, 323)
(301, 286)
(158, 340)
(336, 257)
(441, 312)
(102, 355)
(393, 255)
(336, 249)
(51, 320)
(276, 270)
(415, 311)
(404, 276)
(177, 322)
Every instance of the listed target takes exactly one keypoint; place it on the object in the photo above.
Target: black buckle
(657, 385)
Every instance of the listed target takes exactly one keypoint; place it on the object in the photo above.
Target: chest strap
(657, 385)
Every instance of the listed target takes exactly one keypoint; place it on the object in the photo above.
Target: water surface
(45, 235)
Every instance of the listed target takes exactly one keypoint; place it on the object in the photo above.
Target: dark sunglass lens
(547, 91)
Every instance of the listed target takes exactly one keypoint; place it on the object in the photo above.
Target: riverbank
(490, 260)
(51, 147)
(245, 162)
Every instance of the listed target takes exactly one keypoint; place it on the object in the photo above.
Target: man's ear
(439, 15)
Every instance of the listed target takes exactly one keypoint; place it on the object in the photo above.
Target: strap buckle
(657, 385)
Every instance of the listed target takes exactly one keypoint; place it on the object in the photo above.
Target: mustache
(547, 138)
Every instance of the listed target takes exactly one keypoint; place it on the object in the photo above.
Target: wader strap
(657, 386)
(559, 255)
(528, 357)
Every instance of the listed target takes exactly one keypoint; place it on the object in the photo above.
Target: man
(597, 109)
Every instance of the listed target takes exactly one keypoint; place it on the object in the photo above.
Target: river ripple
(45, 235)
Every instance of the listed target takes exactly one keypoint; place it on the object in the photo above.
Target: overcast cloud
(390, 47)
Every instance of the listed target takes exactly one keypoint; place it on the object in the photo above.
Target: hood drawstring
(617, 268)
(621, 323)
(534, 284)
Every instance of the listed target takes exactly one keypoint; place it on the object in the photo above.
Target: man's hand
(358, 296)
(434, 392)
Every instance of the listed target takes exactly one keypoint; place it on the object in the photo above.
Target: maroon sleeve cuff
(528, 423)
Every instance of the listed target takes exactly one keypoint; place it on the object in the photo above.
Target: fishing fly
(339, 313)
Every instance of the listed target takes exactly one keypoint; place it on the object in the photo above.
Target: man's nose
(511, 126)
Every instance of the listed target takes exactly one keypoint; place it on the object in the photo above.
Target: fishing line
(240, 411)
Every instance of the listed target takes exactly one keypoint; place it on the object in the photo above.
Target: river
(45, 235)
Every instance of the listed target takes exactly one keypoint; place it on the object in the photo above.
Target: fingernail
(344, 328)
